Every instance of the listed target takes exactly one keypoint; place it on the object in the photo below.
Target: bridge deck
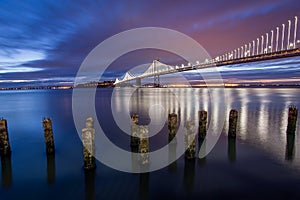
(257, 58)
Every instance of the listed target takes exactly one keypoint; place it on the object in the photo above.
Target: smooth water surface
(262, 163)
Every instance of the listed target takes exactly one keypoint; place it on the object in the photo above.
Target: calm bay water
(257, 165)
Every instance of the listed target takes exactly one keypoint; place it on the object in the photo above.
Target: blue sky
(44, 42)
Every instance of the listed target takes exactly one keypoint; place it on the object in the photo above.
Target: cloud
(49, 40)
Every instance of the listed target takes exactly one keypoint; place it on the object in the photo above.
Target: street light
(295, 31)
(289, 35)
(282, 38)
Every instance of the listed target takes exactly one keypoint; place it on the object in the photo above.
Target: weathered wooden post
(190, 140)
(233, 117)
(189, 175)
(6, 171)
(172, 157)
(172, 126)
(51, 168)
(4, 140)
(290, 147)
(88, 141)
(48, 135)
(144, 186)
(201, 152)
(231, 149)
(89, 183)
(202, 125)
(135, 159)
(292, 120)
(134, 142)
(144, 145)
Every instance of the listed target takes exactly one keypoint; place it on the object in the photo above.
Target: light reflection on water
(262, 112)
(260, 150)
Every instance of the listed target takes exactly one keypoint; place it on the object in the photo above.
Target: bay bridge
(281, 42)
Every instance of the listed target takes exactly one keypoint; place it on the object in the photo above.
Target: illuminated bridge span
(281, 43)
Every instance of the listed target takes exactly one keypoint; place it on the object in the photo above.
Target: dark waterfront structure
(233, 117)
(190, 140)
(134, 142)
(4, 139)
(48, 135)
(88, 141)
(292, 120)
(172, 126)
(202, 125)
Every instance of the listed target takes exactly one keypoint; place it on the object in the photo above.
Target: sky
(44, 42)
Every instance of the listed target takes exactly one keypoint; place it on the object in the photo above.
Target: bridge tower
(138, 82)
(156, 74)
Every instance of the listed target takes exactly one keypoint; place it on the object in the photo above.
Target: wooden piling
(201, 152)
(6, 171)
(89, 183)
(202, 125)
(144, 145)
(4, 140)
(172, 126)
(172, 157)
(233, 117)
(134, 139)
(189, 175)
(190, 140)
(292, 120)
(290, 147)
(135, 159)
(144, 186)
(231, 149)
(48, 135)
(88, 141)
(51, 168)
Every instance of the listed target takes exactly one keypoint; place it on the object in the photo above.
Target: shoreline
(71, 87)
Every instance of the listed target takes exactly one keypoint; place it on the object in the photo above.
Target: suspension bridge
(281, 43)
